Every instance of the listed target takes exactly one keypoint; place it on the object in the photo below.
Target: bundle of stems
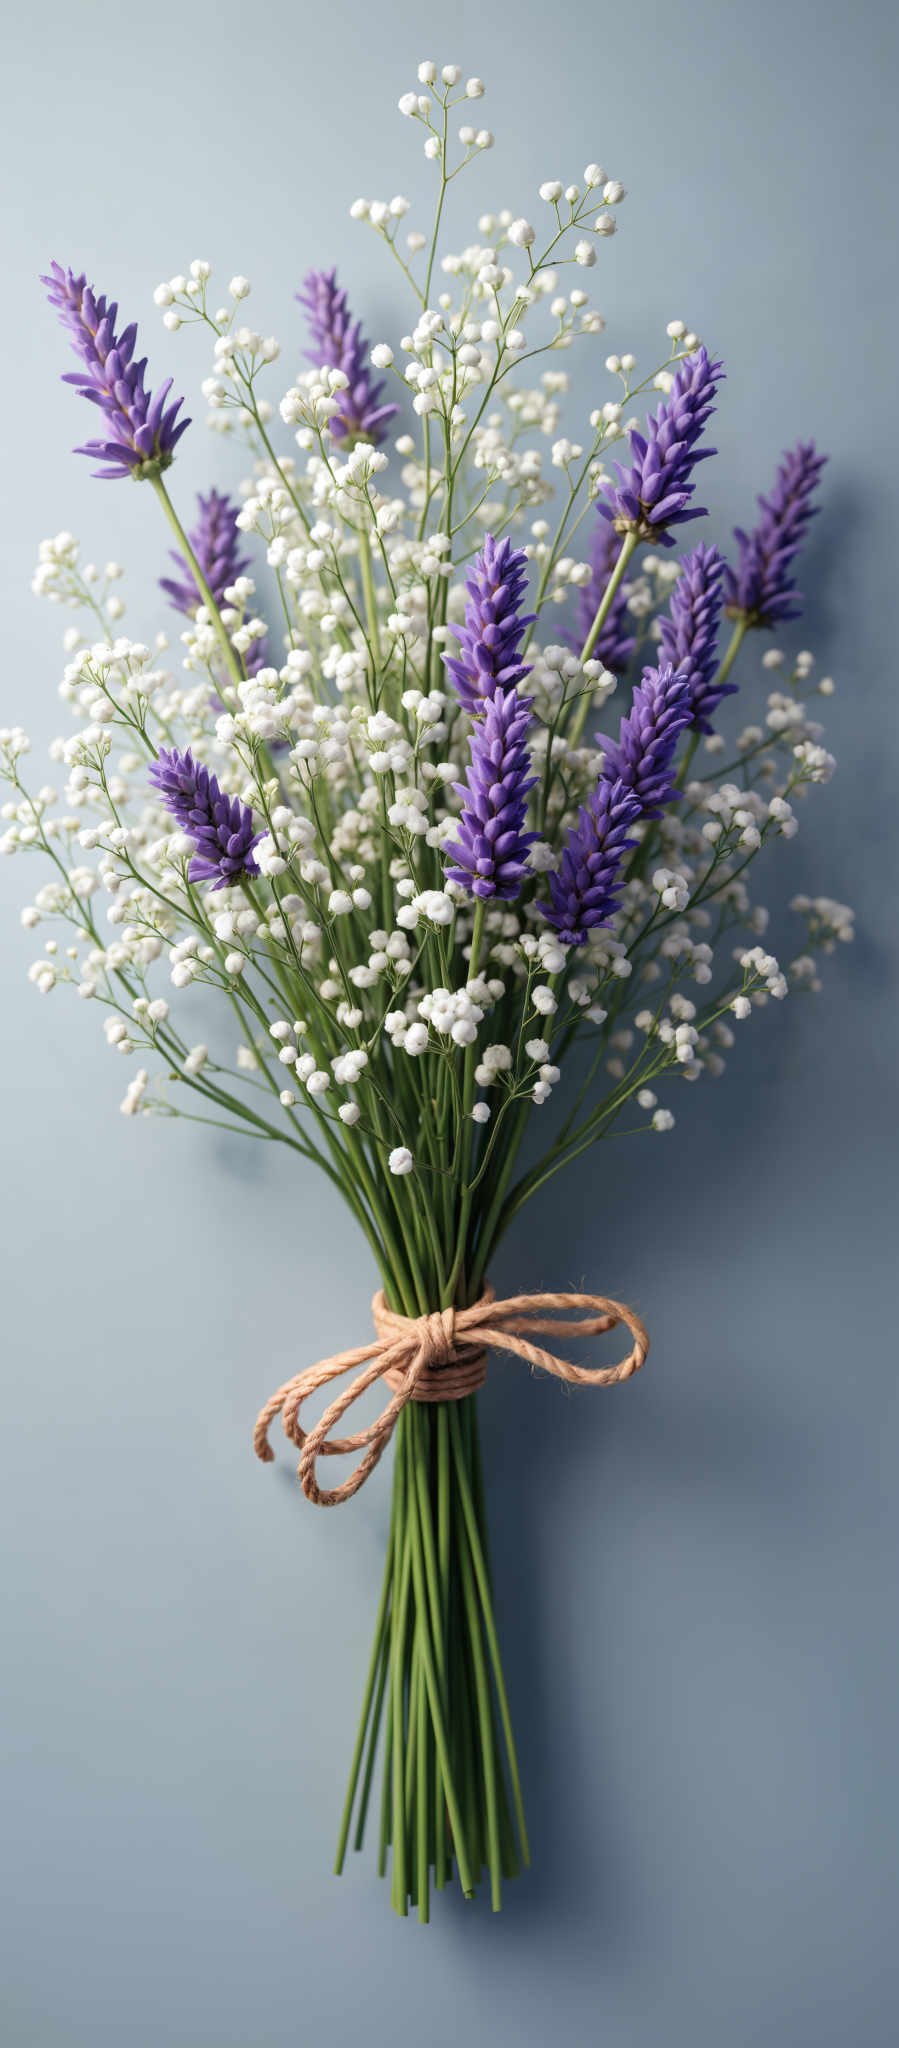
(435, 1696)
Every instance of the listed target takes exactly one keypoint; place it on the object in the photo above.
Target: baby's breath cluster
(339, 854)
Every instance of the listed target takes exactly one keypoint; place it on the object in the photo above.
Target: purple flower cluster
(490, 640)
(761, 589)
(584, 893)
(615, 645)
(490, 856)
(655, 492)
(220, 826)
(643, 754)
(340, 342)
(216, 542)
(141, 424)
(689, 635)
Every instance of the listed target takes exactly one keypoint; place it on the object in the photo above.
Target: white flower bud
(401, 1160)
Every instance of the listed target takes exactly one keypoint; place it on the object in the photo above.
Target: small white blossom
(400, 1160)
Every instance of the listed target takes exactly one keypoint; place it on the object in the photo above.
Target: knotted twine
(433, 1358)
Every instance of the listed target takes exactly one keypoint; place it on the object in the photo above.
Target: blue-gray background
(697, 1575)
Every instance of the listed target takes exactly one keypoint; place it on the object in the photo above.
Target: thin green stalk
(437, 1716)
(627, 547)
(443, 1569)
(380, 1629)
(467, 1712)
(422, 1804)
(373, 1742)
(413, 1689)
(228, 655)
(371, 602)
(398, 1622)
(732, 650)
(384, 1832)
(483, 1584)
(485, 1723)
(420, 1459)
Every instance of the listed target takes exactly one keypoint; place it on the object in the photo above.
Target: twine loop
(437, 1357)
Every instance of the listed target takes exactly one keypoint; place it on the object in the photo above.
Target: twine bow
(439, 1357)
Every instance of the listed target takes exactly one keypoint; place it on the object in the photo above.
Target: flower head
(655, 492)
(340, 342)
(642, 756)
(142, 424)
(490, 856)
(490, 639)
(615, 644)
(220, 826)
(585, 891)
(760, 589)
(216, 542)
(689, 635)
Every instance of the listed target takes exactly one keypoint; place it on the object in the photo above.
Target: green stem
(733, 648)
(228, 654)
(371, 602)
(376, 1657)
(398, 1622)
(483, 1584)
(485, 1721)
(630, 542)
(443, 1570)
(373, 1741)
(437, 1715)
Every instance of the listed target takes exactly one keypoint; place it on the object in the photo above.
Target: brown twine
(427, 1358)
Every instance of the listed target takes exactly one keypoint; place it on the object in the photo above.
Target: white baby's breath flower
(400, 1160)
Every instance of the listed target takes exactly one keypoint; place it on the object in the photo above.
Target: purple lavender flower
(491, 852)
(655, 492)
(585, 891)
(491, 636)
(689, 635)
(142, 424)
(340, 342)
(216, 542)
(642, 756)
(760, 589)
(220, 826)
(615, 645)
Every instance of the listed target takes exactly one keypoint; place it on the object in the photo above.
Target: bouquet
(443, 833)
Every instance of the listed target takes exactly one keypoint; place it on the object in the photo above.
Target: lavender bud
(760, 589)
(655, 492)
(584, 893)
(221, 827)
(642, 756)
(491, 637)
(143, 425)
(689, 635)
(491, 853)
(340, 342)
